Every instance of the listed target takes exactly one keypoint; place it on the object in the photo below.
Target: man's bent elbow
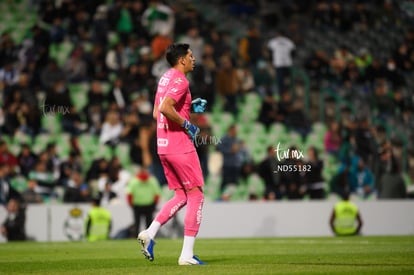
(163, 108)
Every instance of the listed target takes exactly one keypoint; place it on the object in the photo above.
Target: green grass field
(352, 255)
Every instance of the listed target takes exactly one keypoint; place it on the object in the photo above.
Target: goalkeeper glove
(191, 129)
(198, 105)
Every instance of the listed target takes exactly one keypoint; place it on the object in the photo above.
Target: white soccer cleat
(147, 245)
(192, 261)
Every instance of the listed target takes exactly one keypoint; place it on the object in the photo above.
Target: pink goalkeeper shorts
(182, 170)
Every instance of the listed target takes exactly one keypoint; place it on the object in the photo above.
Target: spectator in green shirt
(143, 193)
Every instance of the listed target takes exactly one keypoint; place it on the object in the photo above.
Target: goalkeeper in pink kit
(175, 135)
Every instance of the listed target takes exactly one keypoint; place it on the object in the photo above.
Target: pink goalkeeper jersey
(171, 137)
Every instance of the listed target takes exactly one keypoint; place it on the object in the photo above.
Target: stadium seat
(79, 100)
(230, 193)
(255, 186)
(19, 32)
(166, 193)
(217, 129)
(60, 51)
(330, 168)
(319, 128)
(113, 38)
(63, 145)
(106, 86)
(15, 148)
(79, 94)
(277, 133)
(88, 144)
(217, 108)
(277, 128)
(244, 130)
(258, 128)
(249, 109)
(51, 123)
(247, 115)
(220, 123)
(295, 139)
(212, 187)
(40, 142)
(241, 192)
(258, 151)
(76, 88)
(19, 183)
(87, 46)
(122, 151)
(103, 151)
(315, 140)
(7, 139)
(253, 134)
(20, 138)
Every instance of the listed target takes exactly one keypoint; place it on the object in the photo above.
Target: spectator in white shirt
(111, 128)
(9, 75)
(158, 18)
(193, 38)
(282, 49)
(116, 58)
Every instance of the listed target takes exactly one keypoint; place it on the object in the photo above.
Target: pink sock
(192, 220)
(172, 206)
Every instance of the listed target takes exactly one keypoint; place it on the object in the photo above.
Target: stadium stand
(373, 80)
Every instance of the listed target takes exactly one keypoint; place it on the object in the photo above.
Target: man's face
(188, 61)
(233, 131)
(13, 206)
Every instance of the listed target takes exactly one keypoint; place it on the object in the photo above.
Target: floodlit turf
(352, 255)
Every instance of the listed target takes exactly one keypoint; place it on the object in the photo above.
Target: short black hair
(50, 145)
(96, 200)
(176, 51)
(345, 195)
(315, 151)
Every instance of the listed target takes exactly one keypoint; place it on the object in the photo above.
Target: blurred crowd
(117, 50)
(359, 56)
(118, 46)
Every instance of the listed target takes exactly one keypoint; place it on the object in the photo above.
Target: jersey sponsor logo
(174, 90)
(162, 125)
(178, 80)
(186, 182)
(73, 225)
(164, 81)
(162, 142)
